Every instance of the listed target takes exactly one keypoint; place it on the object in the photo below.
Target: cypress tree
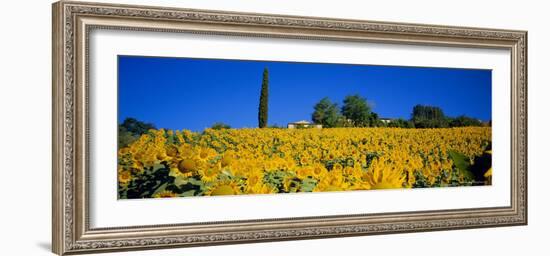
(262, 109)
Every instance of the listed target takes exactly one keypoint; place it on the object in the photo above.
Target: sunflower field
(166, 163)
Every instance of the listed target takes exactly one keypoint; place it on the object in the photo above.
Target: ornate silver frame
(72, 21)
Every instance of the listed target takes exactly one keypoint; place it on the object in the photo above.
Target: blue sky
(184, 93)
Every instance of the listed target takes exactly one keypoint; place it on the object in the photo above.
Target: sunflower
(171, 151)
(228, 158)
(271, 165)
(161, 155)
(375, 158)
(289, 164)
(206, 154)
(319, 171)
(254, 178)
(337, 168)
(360, 185)
(383, 176)
(489, 173)
(223, 188)
(304, 160)
(186, 151)
(261, 188)
(123, 151)
(304, 172)
(209, 173)
(165, 194)
(291, 184)
(187, 167)
(124, 177)
(327, 187)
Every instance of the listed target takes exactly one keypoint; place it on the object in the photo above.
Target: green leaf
(227, 173)
(179, 180)
(308, 185)
(462, 163)
(188, 193)
(196, 182)
(158, 166)
(160, 189)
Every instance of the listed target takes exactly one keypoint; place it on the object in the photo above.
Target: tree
(136, 127)
(264, 95)
(463, 120)
(130, 130)
(326, 113)
(275, 126)
(429, 117)
(343, 122)
(220, 126)
(125, 137)
(374, 120)
(400, 123)
(357, 110)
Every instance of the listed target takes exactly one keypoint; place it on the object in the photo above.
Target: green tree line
(130, 130)
(357, 112)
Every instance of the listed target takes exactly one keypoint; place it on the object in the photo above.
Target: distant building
(303, 124)
(386, 120)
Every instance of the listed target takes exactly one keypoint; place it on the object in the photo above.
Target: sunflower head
(304, 172)
(186, 151)
(123, 151)
(254, 178)
(165, 194)
(209, 173)
(228, 158)
(161, 155)
(319, 171)
(206, 154)
(291, 184)
(224, 188)
(337, 167)
(171, 151)
(326, 187)
(124, 176)
(384, 176)
(187, 166)
(261, 188)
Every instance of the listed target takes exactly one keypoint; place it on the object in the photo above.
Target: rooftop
(301, 122)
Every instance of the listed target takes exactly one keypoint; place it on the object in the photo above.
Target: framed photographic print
(244, 127)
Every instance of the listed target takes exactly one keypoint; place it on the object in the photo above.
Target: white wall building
(303, 124)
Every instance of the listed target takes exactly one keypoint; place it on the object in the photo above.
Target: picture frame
(73, 23)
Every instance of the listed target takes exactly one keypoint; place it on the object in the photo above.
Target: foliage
(433, 117)
(401, 123)
(130, 130)
(428, 117)
(136, 127)
(462, 163)
(220, 126)
(462, 121)
(357, 110)
(326, 113)
(264, 95)
(125, 137)
(473, 169)
(481, 168)
(166, 163)
(374, 121)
